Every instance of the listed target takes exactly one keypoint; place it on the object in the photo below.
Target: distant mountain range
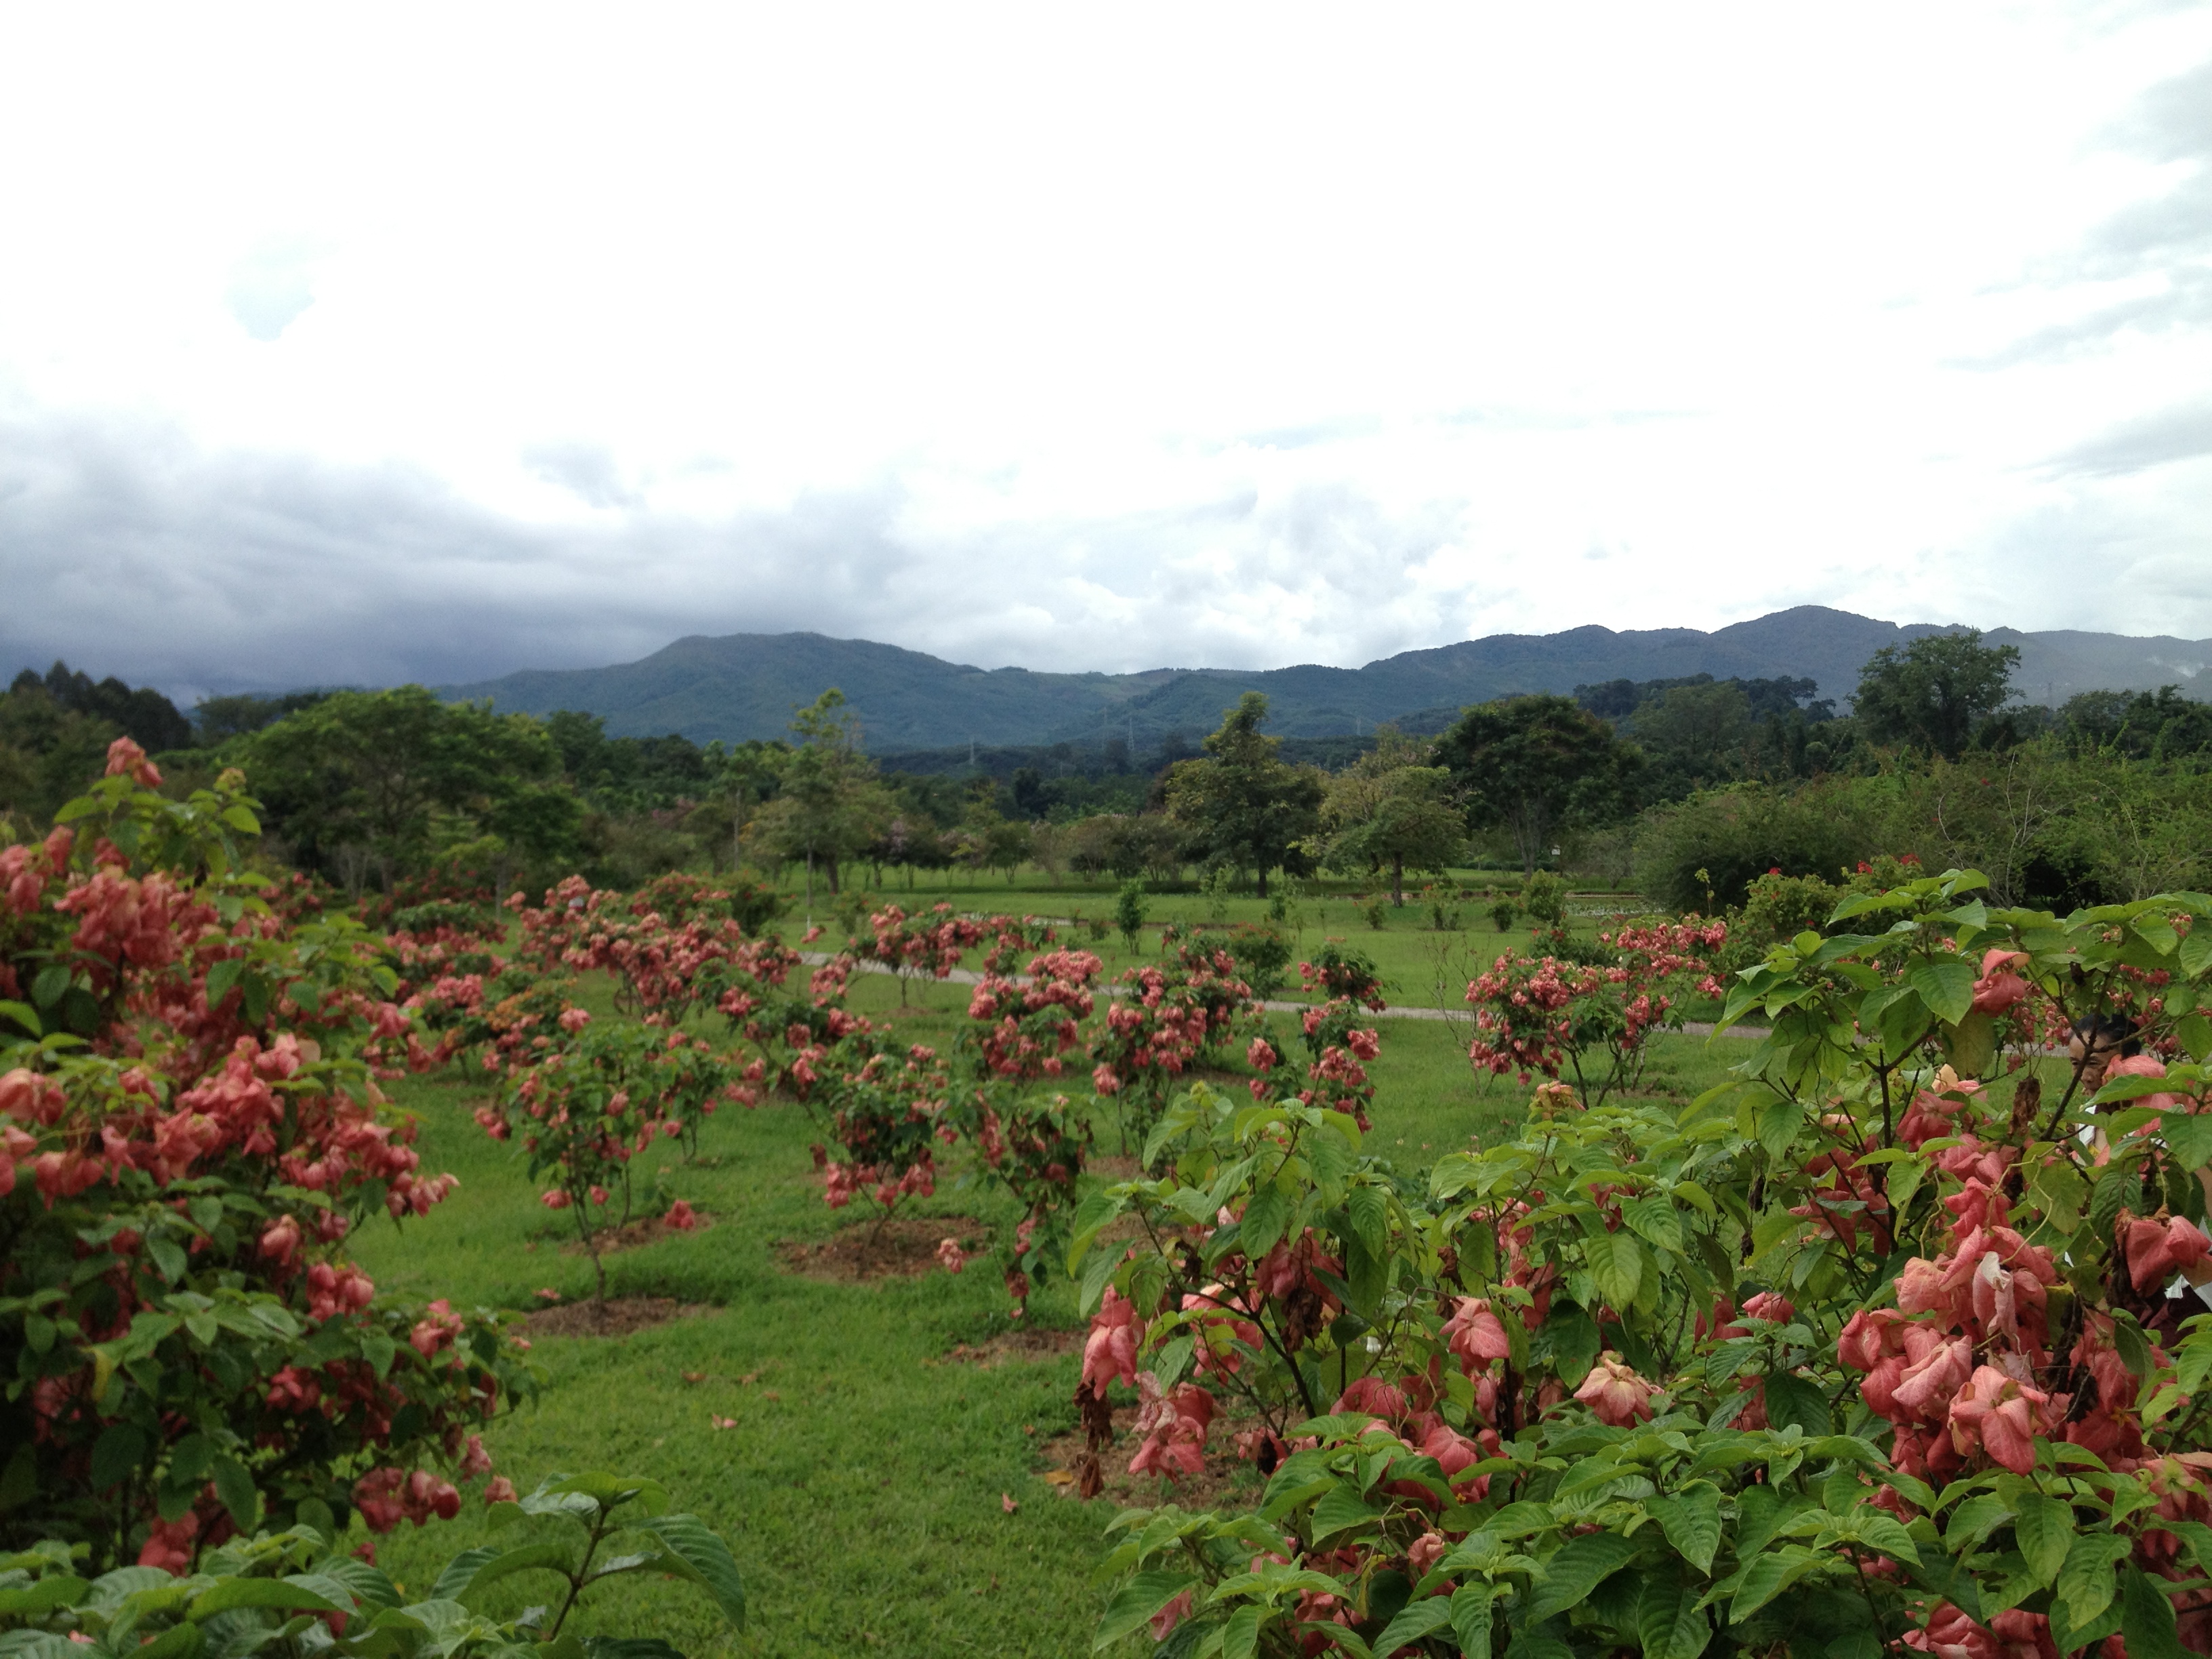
(745, 685)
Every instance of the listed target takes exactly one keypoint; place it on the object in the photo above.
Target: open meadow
(854, 1439)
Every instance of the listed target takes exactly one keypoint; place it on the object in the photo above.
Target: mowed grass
(861, 1486)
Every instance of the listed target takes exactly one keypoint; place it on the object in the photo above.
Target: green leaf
(1240, 1637)
(1946, 985)
(234, 1487)
(56, 1590)
(1418, 1620)
(2043, 1528)
(1974, 1520)
(1768, 1575)
(47, 1644)
(222, 977)
(2188, 1137)
(2085, 1581)
(2195, 1030)
(1670, 1623)
(1691, 1519)
(168, 1258)
(1135, 1603)
(279, 1593)
(1655, 1218)
(1971, 1044)
(1617, 1264)
(1093, 1214)
(1369, 1212)
(1579, 1568)
(181, 1641)
(25, 1016)
(1097, 1274)
(1791, 1399)
(2147, 1618)
(116, 1454)
(1572, 1336)
(1265, 1217)
(1471, 1620)
(1778, 1124)
(1879, 1530)
(367, 1585)
(1340, 1510)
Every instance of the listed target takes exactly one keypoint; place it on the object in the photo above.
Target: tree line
(1694, 786)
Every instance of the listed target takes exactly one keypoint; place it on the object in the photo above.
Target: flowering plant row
(1890, 1341)
(189, 1128)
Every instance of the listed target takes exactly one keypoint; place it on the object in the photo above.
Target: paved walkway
(1395, 1010)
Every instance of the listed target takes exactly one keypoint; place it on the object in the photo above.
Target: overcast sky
(370, 343)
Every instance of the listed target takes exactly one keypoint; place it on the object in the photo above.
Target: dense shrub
(189, 1128)
(297, 1592)
(1702, 853)
(1880, 1345)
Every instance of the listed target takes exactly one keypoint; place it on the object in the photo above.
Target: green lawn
(862, 1486)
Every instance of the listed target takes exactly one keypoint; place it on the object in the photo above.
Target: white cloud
(1243, 336)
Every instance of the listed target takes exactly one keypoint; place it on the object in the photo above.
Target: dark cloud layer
(125, 549)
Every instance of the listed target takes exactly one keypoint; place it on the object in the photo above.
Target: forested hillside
(745, 685)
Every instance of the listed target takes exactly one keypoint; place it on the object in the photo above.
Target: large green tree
(1243, 805)
(1390, 810)
(1534, 766)
(1934, 693)
(382, 780)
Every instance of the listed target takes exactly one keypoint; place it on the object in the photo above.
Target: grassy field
(862, 1485)
(1420, 964)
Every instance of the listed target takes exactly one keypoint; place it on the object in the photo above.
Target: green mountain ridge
(739, 686)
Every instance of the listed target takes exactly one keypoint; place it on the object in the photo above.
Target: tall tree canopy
(1934, 693)
(144, 714)
(1243, 805)
(1535, 766)
(364, 779)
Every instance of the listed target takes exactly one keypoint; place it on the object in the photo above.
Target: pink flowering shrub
(1545, 1015)
(597, 1097)
(1024, 1037)
(189, 1129)
(885, 1102)
(1165, 1018)
(1893, 1340)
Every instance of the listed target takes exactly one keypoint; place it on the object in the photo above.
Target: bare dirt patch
(632, 1234)
(616, 1316)
(904, 1247)
(1027, 1346)
(1225, 1473)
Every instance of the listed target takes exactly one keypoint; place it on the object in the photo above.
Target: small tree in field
(1244, 805)
(1390, 809)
